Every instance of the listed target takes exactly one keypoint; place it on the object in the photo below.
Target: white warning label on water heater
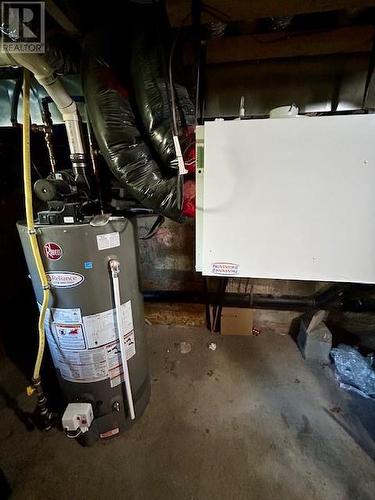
(108, 240)
(70, 336)
(86, 349)
(67, 315)
(80, 366)
(101, 328)
(70, 356)
(116, 373)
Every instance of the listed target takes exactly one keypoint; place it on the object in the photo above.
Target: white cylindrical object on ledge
(290, 111)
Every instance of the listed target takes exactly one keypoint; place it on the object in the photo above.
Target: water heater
(93, 308)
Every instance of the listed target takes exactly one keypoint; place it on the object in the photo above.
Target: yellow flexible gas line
(30, 222)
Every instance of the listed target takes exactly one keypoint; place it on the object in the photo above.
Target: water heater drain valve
(77, 418)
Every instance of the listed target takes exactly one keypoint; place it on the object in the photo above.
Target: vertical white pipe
(44, 74)
(115, 269)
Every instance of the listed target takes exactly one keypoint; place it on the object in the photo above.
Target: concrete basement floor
(250, 420)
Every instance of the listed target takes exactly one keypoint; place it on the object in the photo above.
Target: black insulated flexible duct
(120, 141)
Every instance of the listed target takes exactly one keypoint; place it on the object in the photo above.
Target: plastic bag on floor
(354, 371)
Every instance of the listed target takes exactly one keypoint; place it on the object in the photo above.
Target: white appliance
(288, 198)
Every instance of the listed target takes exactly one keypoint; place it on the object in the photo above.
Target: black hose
(330, 299)
(44, 412)
(15, 100)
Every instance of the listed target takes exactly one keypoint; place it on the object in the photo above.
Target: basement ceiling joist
(179, 10)
(58, 15)
(272, 46)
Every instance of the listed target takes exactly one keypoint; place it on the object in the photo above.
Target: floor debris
(185, 347)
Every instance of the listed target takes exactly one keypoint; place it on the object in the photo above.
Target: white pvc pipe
(115, 269)
(44, 74)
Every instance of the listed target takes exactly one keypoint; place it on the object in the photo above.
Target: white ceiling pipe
(45, 75)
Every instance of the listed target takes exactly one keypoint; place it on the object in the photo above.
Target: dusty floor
(250, 420)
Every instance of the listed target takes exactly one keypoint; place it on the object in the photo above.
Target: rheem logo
(52, 251)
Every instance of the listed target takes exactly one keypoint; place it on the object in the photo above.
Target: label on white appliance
(64, 279)
(225, 268)
(101, 328)
(108, 240)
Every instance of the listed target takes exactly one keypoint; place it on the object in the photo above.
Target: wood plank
(272, 46)
(59, 16)
(237, 10)
(175, 314)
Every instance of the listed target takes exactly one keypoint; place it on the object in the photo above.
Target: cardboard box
(314, 338)
(236, 321)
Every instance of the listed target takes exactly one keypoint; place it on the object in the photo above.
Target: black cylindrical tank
(80, 323)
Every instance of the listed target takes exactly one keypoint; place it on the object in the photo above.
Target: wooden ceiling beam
(58, 15)
(237, 10)
(257, 47)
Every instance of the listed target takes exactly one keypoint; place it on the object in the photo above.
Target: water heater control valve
(77, 417)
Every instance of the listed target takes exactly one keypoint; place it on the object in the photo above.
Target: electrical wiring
(179, 155)
(154, 228)
(73, 436)
(216, 13)
(170, 71)
(171, 88)
(36, 170)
